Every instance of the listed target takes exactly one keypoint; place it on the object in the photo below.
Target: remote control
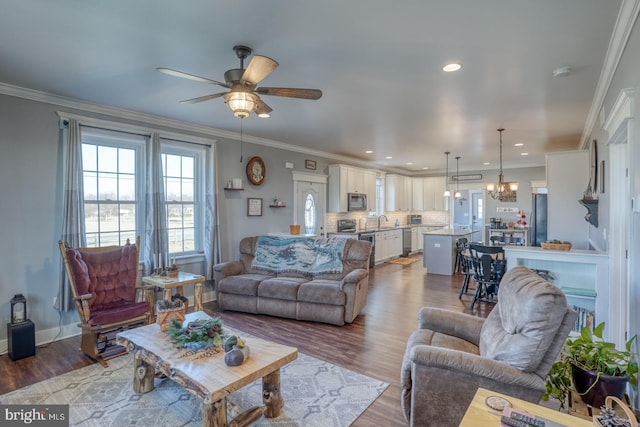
(529, 420)
(512, 422)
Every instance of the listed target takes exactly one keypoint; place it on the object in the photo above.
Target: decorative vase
(593, 388)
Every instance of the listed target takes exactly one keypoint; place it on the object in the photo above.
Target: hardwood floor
(372, 345)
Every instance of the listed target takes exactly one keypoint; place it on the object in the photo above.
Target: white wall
(567, 178)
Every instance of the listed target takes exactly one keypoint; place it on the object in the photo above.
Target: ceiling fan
(243, 98)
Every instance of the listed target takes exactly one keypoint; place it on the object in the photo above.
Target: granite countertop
(449, 232)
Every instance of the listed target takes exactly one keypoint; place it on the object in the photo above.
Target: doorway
(309, 202)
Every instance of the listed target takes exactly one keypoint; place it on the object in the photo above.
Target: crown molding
(627, 16)
(150, 119)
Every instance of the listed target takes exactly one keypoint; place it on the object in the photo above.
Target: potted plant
(593, 368)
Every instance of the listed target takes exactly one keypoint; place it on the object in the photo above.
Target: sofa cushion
(244, 284)
(322, 291)
(285, 288)
(522, 326)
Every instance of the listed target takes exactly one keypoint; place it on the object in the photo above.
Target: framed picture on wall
(310, 164)
(254, 207)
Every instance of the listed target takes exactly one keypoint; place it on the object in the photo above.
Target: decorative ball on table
(236, 351)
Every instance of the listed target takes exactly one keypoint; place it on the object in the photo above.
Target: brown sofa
(316, 291)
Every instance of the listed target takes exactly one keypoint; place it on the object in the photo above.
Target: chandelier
(457, 194)
(447, 193)
(499, 191)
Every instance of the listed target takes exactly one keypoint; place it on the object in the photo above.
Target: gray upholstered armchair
(511, 351)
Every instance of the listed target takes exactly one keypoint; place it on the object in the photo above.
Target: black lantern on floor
(21, 332)
(18, 309)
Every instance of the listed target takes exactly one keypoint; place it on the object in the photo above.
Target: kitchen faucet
(381, 216)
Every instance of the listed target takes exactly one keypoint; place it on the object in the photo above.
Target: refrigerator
(538, 225)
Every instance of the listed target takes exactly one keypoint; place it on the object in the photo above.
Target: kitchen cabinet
(416, 239)
(388, 244)
(398, 193)
(433, 194)
(582, 275)
(417, 202)
(345, 179)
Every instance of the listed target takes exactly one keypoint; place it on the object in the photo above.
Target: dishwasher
(370, 237)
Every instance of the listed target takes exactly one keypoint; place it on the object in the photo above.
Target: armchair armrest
(229, 268)
(477, 368)
(354, 277)
(459, 325)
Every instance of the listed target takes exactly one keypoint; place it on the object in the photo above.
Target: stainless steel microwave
(356, 202)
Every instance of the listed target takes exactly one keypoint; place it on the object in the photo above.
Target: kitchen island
(440, 249)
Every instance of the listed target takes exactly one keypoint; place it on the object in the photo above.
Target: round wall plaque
(256, 171)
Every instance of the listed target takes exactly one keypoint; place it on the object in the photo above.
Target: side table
(183, 279)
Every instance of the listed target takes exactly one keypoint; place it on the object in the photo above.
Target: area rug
(316, 393)
(403, 261)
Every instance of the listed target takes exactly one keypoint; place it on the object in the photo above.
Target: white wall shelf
(580, 273)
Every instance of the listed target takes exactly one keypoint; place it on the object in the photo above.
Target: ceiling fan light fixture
(241, 102)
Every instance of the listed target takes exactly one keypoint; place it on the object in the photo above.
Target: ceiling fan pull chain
(240, 140)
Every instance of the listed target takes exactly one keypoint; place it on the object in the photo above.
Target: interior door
(309, 203)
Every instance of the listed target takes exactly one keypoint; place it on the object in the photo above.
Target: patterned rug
(404, 261)
(316, 393)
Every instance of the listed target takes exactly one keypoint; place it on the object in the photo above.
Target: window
(180, 189)
(111, 196)
(380, 195)
(114, 190)
(309, 214)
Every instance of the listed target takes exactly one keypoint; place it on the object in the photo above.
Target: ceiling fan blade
(262, 109)
(176, 73)
(202, 98)
(259, 68)
(290, 92)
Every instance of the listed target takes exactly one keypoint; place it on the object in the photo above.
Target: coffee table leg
(143, 375)
(271, 394)
(198, 296)
(214, 414)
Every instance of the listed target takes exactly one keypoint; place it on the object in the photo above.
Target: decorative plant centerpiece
(197, 335)
(593, 368)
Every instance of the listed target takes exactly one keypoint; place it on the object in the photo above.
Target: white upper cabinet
(434, 194)
(398, 193)
(347, 179)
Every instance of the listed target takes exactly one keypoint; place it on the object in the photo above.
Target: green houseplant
(602, 362)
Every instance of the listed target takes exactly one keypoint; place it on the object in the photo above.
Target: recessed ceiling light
(562, 71)
(519, 144)
(426, 167)
(486, 163)
(409, 163)
(369, 151)
(388, 157)
(524, 154)
(449, 68)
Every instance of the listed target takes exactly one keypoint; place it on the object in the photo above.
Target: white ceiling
(378, 63)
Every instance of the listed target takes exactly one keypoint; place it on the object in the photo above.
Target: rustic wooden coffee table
(205, 374)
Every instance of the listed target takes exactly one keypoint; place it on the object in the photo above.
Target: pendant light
(457, 194)
(498, 192)
(447, 193)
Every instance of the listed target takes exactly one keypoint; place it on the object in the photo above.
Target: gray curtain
(211, 223)
(155, 214)
(73, 226)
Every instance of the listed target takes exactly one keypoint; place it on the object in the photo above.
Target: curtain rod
(66, 123)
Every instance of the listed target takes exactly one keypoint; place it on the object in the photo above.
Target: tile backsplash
(366, 222)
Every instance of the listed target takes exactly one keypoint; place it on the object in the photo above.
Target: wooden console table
(480, 415)
(183, 279)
